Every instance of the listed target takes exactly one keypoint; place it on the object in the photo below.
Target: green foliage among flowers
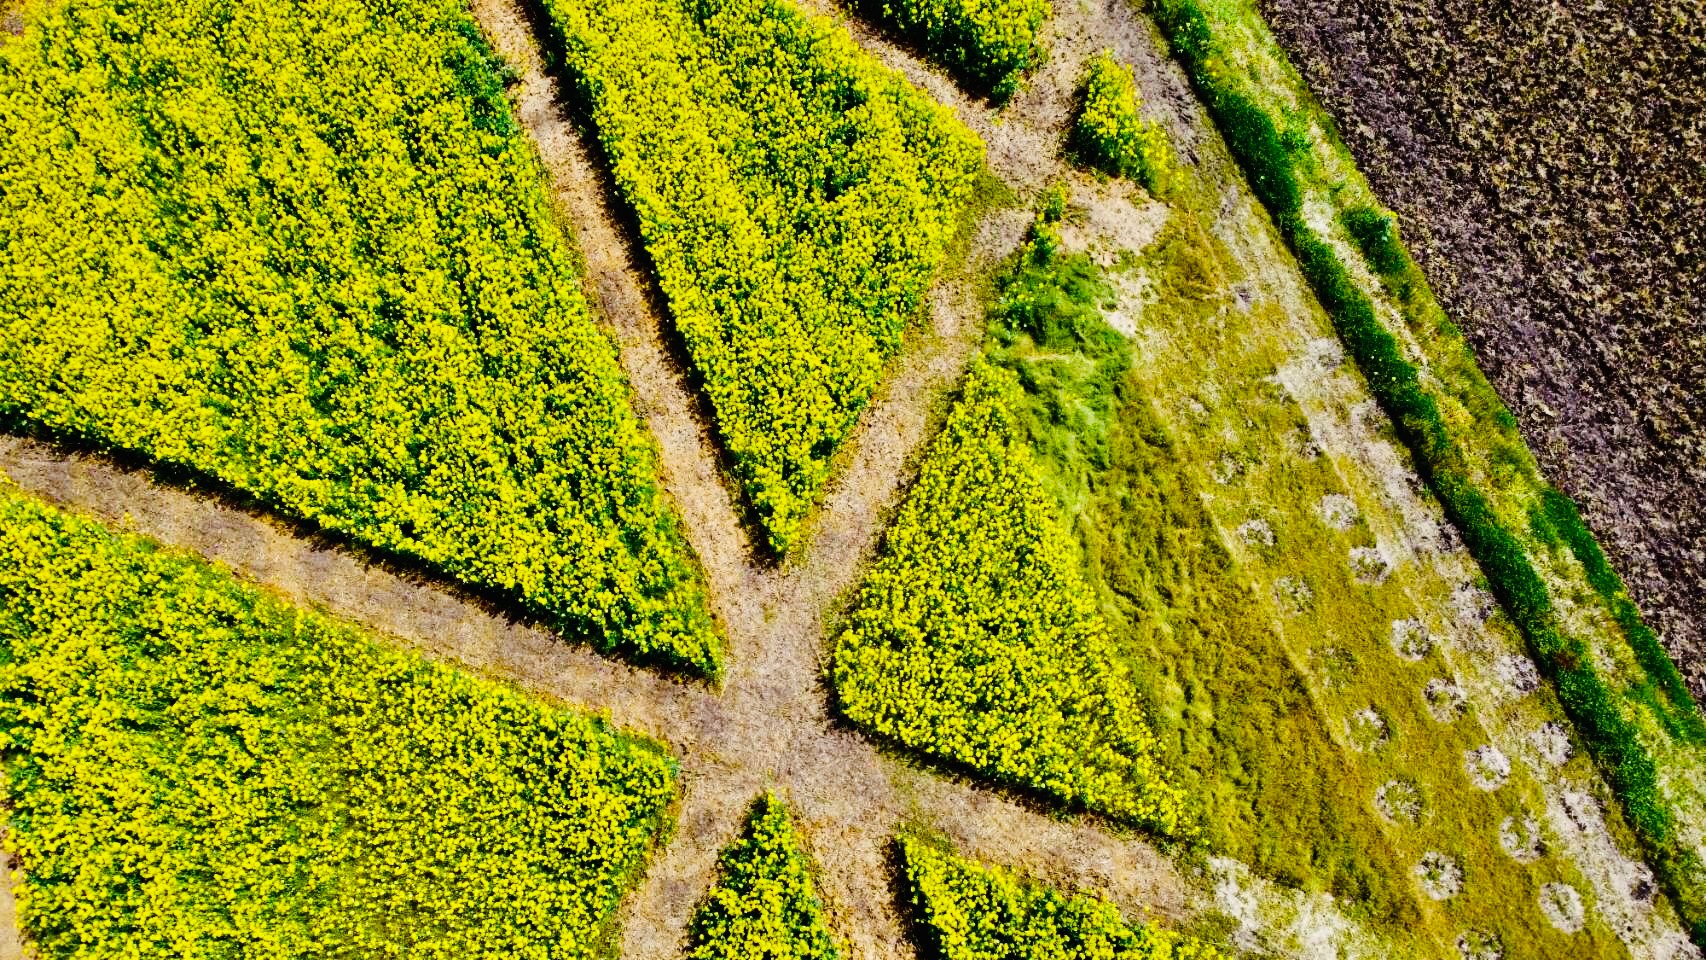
(195, 770)
(1111, 134)
(988, 44)
(974, 638)
(765, 906)
(303, 248)
(972, 912)
(795, 199)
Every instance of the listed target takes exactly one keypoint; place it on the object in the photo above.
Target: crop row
(764, 904)
(988, 44)
(1447, 449)
(974, 640)
(302, 249)
(194, 769)
(968, 911)
(795, 199)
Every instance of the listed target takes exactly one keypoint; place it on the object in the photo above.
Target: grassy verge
(1623, 694)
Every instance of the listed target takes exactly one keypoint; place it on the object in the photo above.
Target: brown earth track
(1547, 162)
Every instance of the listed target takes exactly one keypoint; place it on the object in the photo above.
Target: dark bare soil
(1546, 159)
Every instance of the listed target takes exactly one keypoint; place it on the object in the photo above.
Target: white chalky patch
(1479, 945)
(1368, 730)
(1552, 742)
(1326, 353)
(1369, 566)
(1257, 533)
(1518, 673)
(1399, 801)
(1472, 604)
(1446, 700)
(1338, 511)
(1488, 767)
(1520, 838)
(1227, 470)
(1292, 594)
(1440, 876)
(1562, 905)
(1410, 639)
(1582, 809)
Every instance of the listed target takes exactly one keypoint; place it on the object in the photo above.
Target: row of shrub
(968, 911)
(193, 769)
(988, 44)
(1588, 698)
(1110, 133)
(795, 199)
(973, 638)
(764, 905)
(303, 250)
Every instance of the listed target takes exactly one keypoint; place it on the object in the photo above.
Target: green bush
(1111, 135)
(764, 906)
(795, 199)
(194, 770)
(1250, 134)
(1376, 235)
(988, 44)
(973, 638)
(303, 249)
(968, 911)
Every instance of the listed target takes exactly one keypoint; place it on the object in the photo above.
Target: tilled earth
(1547, 162)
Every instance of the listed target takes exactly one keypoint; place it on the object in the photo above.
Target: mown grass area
(795, 199)
(1265, 650)
(1239, 729)
(1624, 695)
(193, 769)
(966, 910)
(303, 251)
(764, 905)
